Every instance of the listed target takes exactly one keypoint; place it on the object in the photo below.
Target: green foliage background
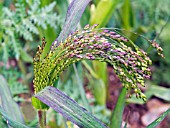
(24, 22)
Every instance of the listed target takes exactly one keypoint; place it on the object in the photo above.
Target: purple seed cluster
(132, 66)
(158, 48)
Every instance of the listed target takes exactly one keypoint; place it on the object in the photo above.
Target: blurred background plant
(24, 22)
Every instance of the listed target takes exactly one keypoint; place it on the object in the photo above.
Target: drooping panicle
(130, 64)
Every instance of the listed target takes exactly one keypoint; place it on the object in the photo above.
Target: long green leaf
(74, 13)
(158, 120)
(98, 84)
(7, 103)
(100, 69)
(116, 119)
(2, 123)
(68, 108)
(103, 12)
(99, 91)
(127, 15)
(10, 121)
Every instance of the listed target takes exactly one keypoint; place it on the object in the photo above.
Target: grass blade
(7, 103)
(98, 85)
(12, 122)
(158, 120)
(103, 12)
(126, 15)
(68, 108)
(2, 122)
(74, 13)
(116, 119)
(100, 68)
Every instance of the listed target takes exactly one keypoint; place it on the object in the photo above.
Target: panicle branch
(131, 64)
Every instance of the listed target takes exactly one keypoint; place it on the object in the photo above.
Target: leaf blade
(7, 102)
(103, 12)
(158, 120)
(68, 108)
(116, 119)
(74, 13)
(12, 122)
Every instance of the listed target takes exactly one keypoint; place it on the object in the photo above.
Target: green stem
(116, 119)
(42, 118)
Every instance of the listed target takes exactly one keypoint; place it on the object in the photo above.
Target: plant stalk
(116, 119)
(42, 118)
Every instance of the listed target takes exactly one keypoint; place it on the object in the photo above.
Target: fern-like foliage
(23, 21)
(12, 76)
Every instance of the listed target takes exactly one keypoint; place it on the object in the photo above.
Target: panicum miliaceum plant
(131, 64)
